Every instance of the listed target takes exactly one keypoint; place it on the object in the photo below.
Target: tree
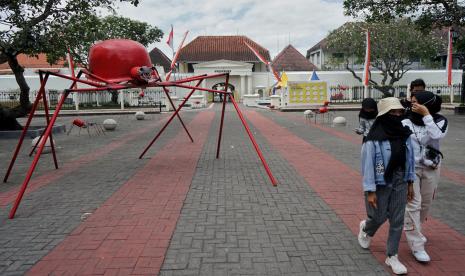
(427, 13)
(394, 46)
(31, 27)
(81, 32)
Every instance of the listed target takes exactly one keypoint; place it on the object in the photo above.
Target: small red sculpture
(322, 110)
(79, 123)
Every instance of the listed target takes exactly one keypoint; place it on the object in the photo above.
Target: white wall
(345, 77)
(8, 82)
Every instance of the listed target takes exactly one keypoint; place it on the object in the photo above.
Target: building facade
(226, 54)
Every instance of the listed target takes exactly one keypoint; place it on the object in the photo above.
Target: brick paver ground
(344, 145)
(49, 214)
(235, 223)
(213, 216)
(340, 187)
(131, 231)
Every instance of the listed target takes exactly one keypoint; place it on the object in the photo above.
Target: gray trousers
(417, 210)
(391, 201)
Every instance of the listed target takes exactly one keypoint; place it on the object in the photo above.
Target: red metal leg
(37, 156)
(25, 128)
(257, 149)
(170, 119)
(47, 117)
(44, 98)
(51, 137)
(179, 117)
(222, 117)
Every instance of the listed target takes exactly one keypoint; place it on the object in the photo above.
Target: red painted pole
(222, 117)
(25, 128)
(48, 121)
(37, 156)
(91, 83)
(169, 121)
(257, 149)
(179, 117)
(195, 78)
(202, 89)
(51, 137)
(44, 98)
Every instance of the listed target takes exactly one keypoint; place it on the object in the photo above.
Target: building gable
(210, 48)
(289, 59)
(159, 58)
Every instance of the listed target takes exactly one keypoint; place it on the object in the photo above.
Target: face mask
(394, 118)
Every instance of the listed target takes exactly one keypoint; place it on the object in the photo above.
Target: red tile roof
(210, 48)
(159, 58)
(289, 59)
(33, 62)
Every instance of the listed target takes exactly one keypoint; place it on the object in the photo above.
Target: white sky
(270, 23)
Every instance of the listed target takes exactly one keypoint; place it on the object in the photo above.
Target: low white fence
(98, 99)
(353, 94)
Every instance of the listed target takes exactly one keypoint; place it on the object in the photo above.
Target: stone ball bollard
(109, 124)
(308, 113)
(47, 147)
(339, 121)
(140, 115)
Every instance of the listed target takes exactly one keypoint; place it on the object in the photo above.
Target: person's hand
(371, 198)
(420, 109)
(410, 192)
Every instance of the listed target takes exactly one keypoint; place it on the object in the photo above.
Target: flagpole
(71, 69)
(449, 66)
(366, 69)
(172, 50)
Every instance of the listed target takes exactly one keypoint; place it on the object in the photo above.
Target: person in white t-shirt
(428, 128)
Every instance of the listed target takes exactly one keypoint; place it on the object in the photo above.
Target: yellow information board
(314, 92)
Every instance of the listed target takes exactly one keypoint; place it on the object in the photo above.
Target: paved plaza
(181, 211)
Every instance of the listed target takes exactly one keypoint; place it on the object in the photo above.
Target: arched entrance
(218, 97)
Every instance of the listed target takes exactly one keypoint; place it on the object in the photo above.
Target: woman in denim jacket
(388, 164)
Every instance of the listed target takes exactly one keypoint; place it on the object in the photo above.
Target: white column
(204, 85)
(243, 92)
(121, 98)
(249, 85)
(76, 100)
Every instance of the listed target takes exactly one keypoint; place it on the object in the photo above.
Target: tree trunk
(114, 96)
(385, 89)
(8, 120)
(18, 70)
(8, 116)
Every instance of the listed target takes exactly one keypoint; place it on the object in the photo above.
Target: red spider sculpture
(113, 65)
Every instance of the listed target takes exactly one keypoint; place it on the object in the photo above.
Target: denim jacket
(375, 158)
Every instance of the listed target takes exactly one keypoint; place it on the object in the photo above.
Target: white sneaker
(421, 256)
(363, 239)
(396, 266)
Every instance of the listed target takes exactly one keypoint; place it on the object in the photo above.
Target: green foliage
(32, 27)
(425, 13)
(80, 33)
(394, 46)
(26, 24)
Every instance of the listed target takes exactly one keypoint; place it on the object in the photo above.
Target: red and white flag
(449, 60)
(366, 69)
(175, 58)
(262, 59)
(170, 39)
